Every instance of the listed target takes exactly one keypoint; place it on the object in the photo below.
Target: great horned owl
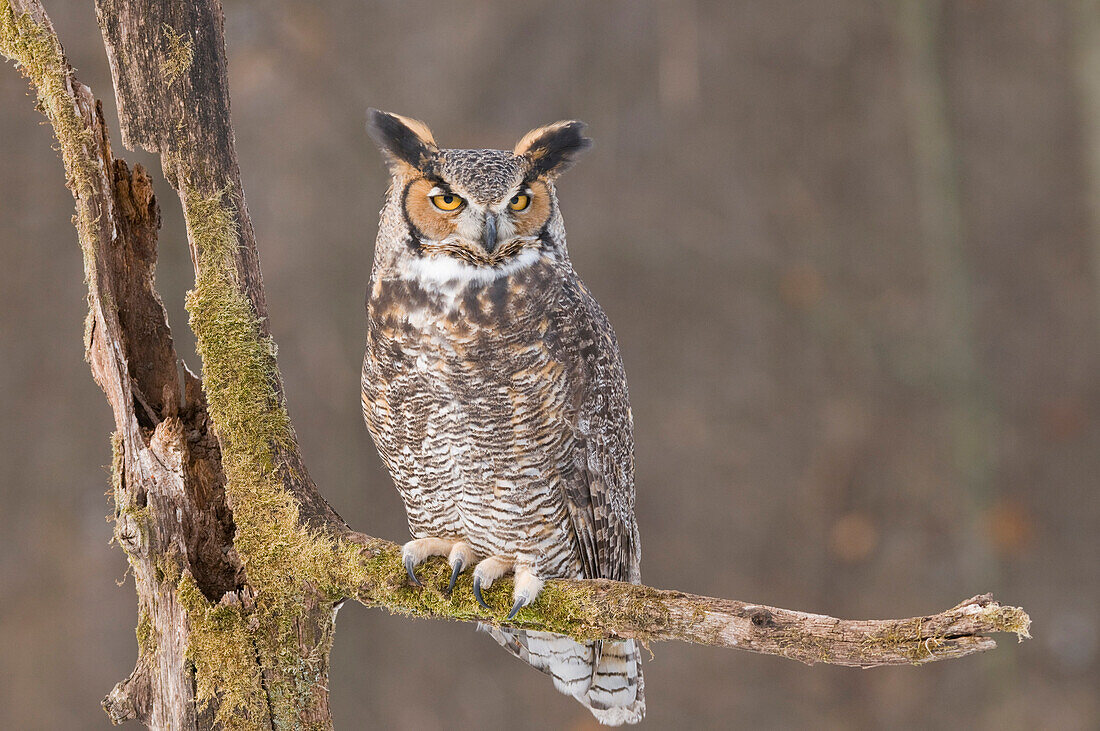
(493, 388)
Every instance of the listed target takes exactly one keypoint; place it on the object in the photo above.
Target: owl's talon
(418, 549)
(459, 558)
(528, 586)
(488, 571)
(477, 592)
(410, 562)
(456, 569)
(520, 603)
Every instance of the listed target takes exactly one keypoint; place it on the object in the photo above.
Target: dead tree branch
(237, 557)
(595, 609)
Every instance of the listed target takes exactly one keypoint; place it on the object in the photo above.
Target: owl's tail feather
(605, 677)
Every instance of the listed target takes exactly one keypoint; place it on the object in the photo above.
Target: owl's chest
(471, 402)
(466, 341)
(465, 394)
(472, 378)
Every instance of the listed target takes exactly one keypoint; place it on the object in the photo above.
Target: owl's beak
(489, 233)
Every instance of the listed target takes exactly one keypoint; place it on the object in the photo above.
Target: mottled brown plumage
(493, 388)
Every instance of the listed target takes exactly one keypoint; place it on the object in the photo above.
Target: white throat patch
(440, 270)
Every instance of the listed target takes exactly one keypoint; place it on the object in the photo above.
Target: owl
(495, 394)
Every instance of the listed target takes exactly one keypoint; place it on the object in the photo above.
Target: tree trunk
(238, 560)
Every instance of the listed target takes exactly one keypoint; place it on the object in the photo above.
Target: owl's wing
(599, 489)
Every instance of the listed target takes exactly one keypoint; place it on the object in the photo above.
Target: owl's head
(481, 208)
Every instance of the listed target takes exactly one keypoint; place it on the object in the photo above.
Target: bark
(238, 560)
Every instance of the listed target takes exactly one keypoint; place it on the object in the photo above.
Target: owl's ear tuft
(551, 150)
(404, 141)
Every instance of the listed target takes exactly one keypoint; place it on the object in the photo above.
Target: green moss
(565, 608)
(899, 638)
(167, 568)
(909, 639)
(142, 521)
(177, 56)
(802, 646)
(118, 456)
(568, 609)
(222, 651)
(1008, 619)
(146, 638)
(287, 563)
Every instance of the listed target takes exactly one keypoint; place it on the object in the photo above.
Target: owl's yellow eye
(519, 202)
(447, 202)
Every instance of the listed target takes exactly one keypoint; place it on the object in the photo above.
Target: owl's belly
(478, 438)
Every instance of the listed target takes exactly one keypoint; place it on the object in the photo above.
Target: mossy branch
(588, 610)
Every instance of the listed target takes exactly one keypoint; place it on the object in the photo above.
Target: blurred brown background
(852, 252)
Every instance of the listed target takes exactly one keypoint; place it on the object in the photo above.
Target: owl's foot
(528, 585)
(460, 557)
(416, 551)
(488, 571)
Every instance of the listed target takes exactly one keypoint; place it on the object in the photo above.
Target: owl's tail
(606, 677)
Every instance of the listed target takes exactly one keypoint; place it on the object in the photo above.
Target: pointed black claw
(477, 592)
(515, 608)
(456, 569)
(409, 570)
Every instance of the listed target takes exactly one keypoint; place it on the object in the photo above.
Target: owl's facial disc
(452, 222)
